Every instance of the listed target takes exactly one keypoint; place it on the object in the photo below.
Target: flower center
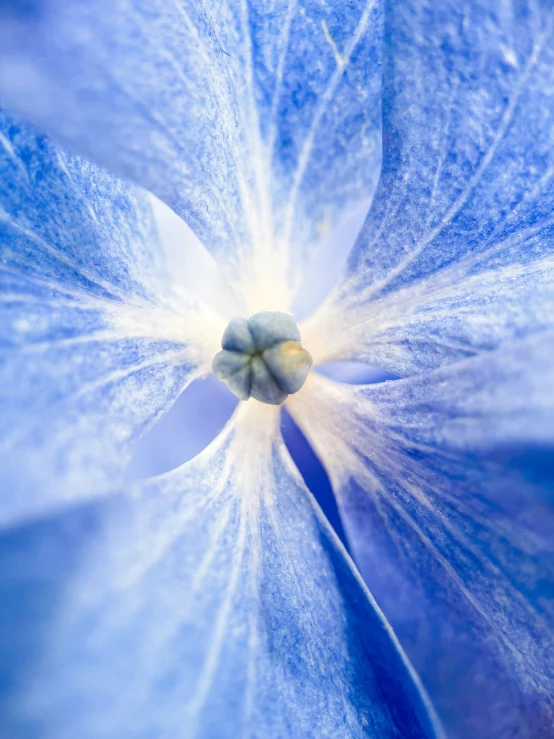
(262, 357)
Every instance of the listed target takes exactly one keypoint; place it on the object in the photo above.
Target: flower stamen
(262, 357)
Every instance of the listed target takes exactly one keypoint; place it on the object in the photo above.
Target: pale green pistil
(262, 357)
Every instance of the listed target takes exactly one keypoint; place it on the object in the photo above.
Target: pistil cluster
(262, 357)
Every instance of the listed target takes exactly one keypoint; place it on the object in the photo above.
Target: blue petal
(214, 601)
(258, 122)
(457, 254)
(90, 357)
(450, 520)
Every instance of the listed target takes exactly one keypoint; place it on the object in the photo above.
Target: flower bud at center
(262, 357)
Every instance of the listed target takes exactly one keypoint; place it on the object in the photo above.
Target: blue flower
(215, 600)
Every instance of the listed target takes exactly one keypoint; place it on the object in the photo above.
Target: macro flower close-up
(276, 369)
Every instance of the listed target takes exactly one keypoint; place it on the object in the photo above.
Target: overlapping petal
(93, 345)
(258, 122)
(213, 601)
(444, 483)
(457, 253)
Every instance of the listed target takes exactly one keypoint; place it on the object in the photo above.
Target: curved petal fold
(94, 346)
(214, 601)
(444, 483)
(457, 253)
(257, 122)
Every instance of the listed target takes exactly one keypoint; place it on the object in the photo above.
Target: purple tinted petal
(445, 490)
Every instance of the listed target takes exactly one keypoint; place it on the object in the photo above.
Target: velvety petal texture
(258, 122)
(94, 346)
(214, 601)
(457, 253)
(445, 486)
